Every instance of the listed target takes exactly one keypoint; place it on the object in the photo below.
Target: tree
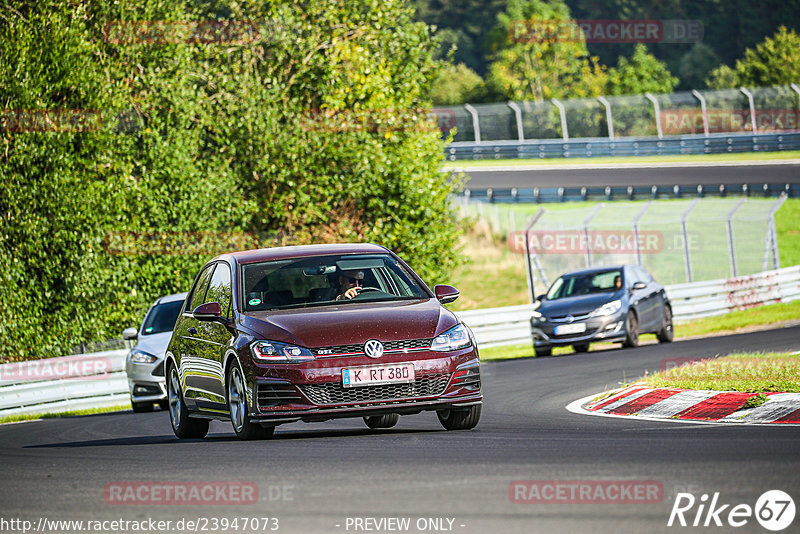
(696, 66)
(457, 84)
(539, 54)
(640, 74)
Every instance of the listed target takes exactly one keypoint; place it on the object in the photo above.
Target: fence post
(687, 257)
(731, 247)
(476, 125)
(518, 115)
(563, 113)
(586, 222)
(772, 239)
(796, 90)
(703, 109)
(636, 231)
(749, 96)
(528, 267)
(609, 117)
(657, 110)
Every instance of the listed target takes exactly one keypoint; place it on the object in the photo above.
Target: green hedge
(129, 158)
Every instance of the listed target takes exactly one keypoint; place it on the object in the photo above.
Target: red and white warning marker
(690, 405)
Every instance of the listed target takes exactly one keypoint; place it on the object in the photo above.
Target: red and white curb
(672, 404)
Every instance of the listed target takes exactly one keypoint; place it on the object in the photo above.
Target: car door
(646, 300)
(212, 338)
(187, 330)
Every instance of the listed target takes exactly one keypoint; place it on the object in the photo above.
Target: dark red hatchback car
(313, 333)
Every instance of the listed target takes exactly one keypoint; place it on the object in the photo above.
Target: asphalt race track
(635, 175)
(314, 477)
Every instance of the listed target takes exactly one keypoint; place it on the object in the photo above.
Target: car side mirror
(639, 285)
(540, 297)
(210, 311)
(445, 294)
(130, 334)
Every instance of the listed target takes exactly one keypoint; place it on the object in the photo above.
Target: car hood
(350, 323)
(579, 305)
(155, 344)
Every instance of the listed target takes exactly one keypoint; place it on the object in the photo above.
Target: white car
(145, 361)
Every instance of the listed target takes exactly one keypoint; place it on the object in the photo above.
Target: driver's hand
(352, 292)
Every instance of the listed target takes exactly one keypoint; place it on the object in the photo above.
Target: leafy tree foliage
(312, 128)
(640, 74)
(457, 84)
(531, 65)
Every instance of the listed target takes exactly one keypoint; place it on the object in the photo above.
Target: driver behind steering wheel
(349, 284)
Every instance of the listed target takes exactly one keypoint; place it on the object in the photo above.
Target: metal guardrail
(99, 380)
(511, 325)
(628, 146)
(540, 195)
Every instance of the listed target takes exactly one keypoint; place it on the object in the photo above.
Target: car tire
(382, 421)
(184, 426)
(239, 408)
(460, 419)
(631, 330)
(581, 347)
(543, 351)
(142, 407)
(667, 332)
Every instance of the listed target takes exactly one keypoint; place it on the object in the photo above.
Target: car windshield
(162, 317)
(584, 284)
(319, 281)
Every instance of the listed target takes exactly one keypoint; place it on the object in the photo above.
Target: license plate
(399, 373)
(576, 328)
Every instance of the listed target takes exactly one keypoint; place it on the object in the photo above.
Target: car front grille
(358, 348)
(271, 395)
(430, 385)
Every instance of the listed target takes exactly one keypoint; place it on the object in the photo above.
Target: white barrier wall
(98, 380)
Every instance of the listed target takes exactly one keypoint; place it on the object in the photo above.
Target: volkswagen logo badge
(373, 348)
(570, 318)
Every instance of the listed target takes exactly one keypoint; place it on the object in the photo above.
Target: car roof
(171, 298)
(302, 251)
(594, 270)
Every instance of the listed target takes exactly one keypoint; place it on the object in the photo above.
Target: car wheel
(542, 351)
(142, 407)
(632, 331)
(581, 347)
(183, 426)
(667, 332)
(460, 419)
(239, 408)
(382, 421)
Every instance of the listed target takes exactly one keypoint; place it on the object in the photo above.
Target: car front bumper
(609, 329)
(315, 393)
(146, 382)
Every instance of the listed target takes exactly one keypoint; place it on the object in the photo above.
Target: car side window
(198, 294)
(219, 290)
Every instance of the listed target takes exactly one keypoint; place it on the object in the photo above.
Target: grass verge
(699, 158)
(723, 324)
(747, 372)
(34, 417)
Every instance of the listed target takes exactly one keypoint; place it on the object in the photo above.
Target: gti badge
(373, 348)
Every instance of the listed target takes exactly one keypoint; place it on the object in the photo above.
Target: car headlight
(140, 356)
(455, 338)
(275, 351)
(608, 309)
(537, 317)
